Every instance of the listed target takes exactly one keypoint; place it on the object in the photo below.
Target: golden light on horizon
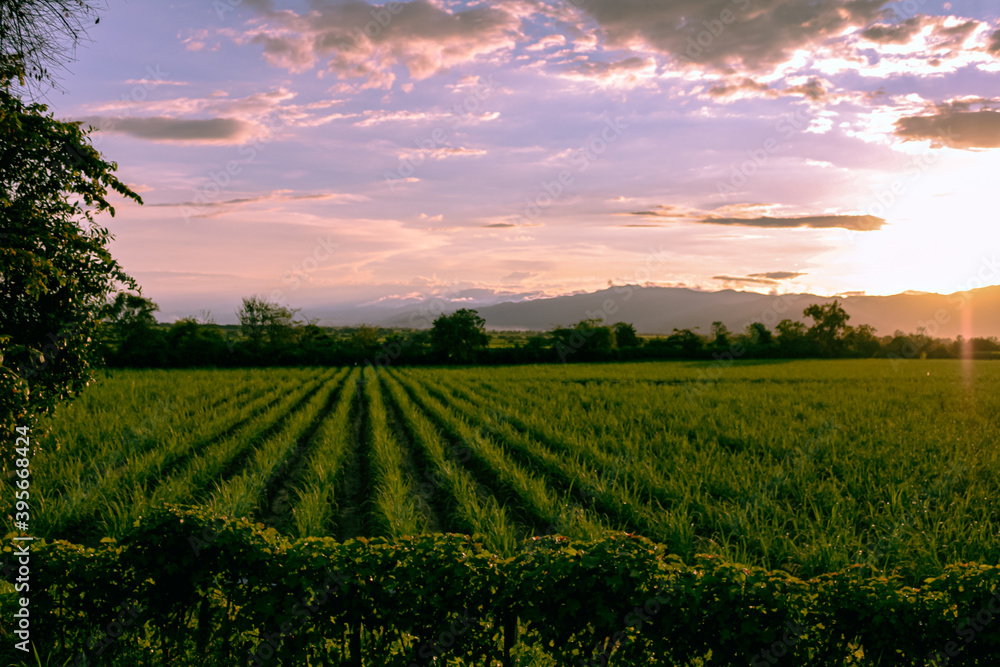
(941, 234)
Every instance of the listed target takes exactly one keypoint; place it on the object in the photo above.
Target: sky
(325, 153)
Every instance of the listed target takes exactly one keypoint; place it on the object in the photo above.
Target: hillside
(657, 310)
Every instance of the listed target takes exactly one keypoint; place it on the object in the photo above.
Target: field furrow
(425, 485)
(542, 509)
(276, 505)
(610, 498)
(469, 507)
(318, 490)
(246, 491)
(215, 462)
(395, 507)
(137, 479)
(353, 480)
(138, 430)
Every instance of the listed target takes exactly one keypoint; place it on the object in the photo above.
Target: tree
(262, 320)
(600, 338)
(591, 338)
(253, 316)
(56, 274)
(720, 334)
(364, 341)
(456, 337)
(829, 328)
(281, 325)
(791, 337)
(42, 34)
(192, 343)
(626, 336)
(758, 334)
(130, 327)
(686, 342)
(862, 341)
(312, 334)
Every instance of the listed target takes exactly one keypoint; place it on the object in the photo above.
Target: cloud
(922, 31)
(517, 276)
(954, 129)
(921, 46)
(757, 34)
(377, 117)
(900, 33)
(777, 275)
(665, 211)
(861, 223)
(162, 128)
(441, 153)
(745, 85)
(814, 89)
(994, 45)
(223, 206)
(546, 42)
(353, 39)
(753, 281)
(266, 108)
(155, 82)
(628, 73)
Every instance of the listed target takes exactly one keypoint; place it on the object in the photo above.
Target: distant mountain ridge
(658, 310)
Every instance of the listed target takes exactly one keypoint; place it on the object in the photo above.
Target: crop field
(805, 466)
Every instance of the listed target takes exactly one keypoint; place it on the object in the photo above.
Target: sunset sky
(324, 153)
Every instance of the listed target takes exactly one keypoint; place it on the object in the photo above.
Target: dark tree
(862, 341)
(600, 337)
(262, 320)
(56, 274)
(720, 334)
(759, 335)
(281, 326)
(686, 342)
(42, 35)
(829, 327)
(193, 343)
(364, 341)
(792, 338)
(253, 316)
(626, 336)
(130, 332)
(458, 336)
(587, 339)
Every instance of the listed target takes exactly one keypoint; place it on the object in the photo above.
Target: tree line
(271, 334)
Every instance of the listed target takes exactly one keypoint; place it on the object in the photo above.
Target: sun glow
(941, 233)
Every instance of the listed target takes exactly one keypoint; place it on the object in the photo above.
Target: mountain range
(659, 310)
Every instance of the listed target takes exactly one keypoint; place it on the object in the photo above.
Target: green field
(805, 466)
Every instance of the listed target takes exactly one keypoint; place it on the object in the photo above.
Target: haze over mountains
(658, 310)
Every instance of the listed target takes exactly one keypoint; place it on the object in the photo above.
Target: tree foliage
(41, 35)
(56, 274)
(262, 320)
(128, 329)
(461, 338)
(829, 329)
(458, 336)
(626, 336)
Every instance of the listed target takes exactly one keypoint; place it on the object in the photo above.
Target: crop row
(807, 467)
